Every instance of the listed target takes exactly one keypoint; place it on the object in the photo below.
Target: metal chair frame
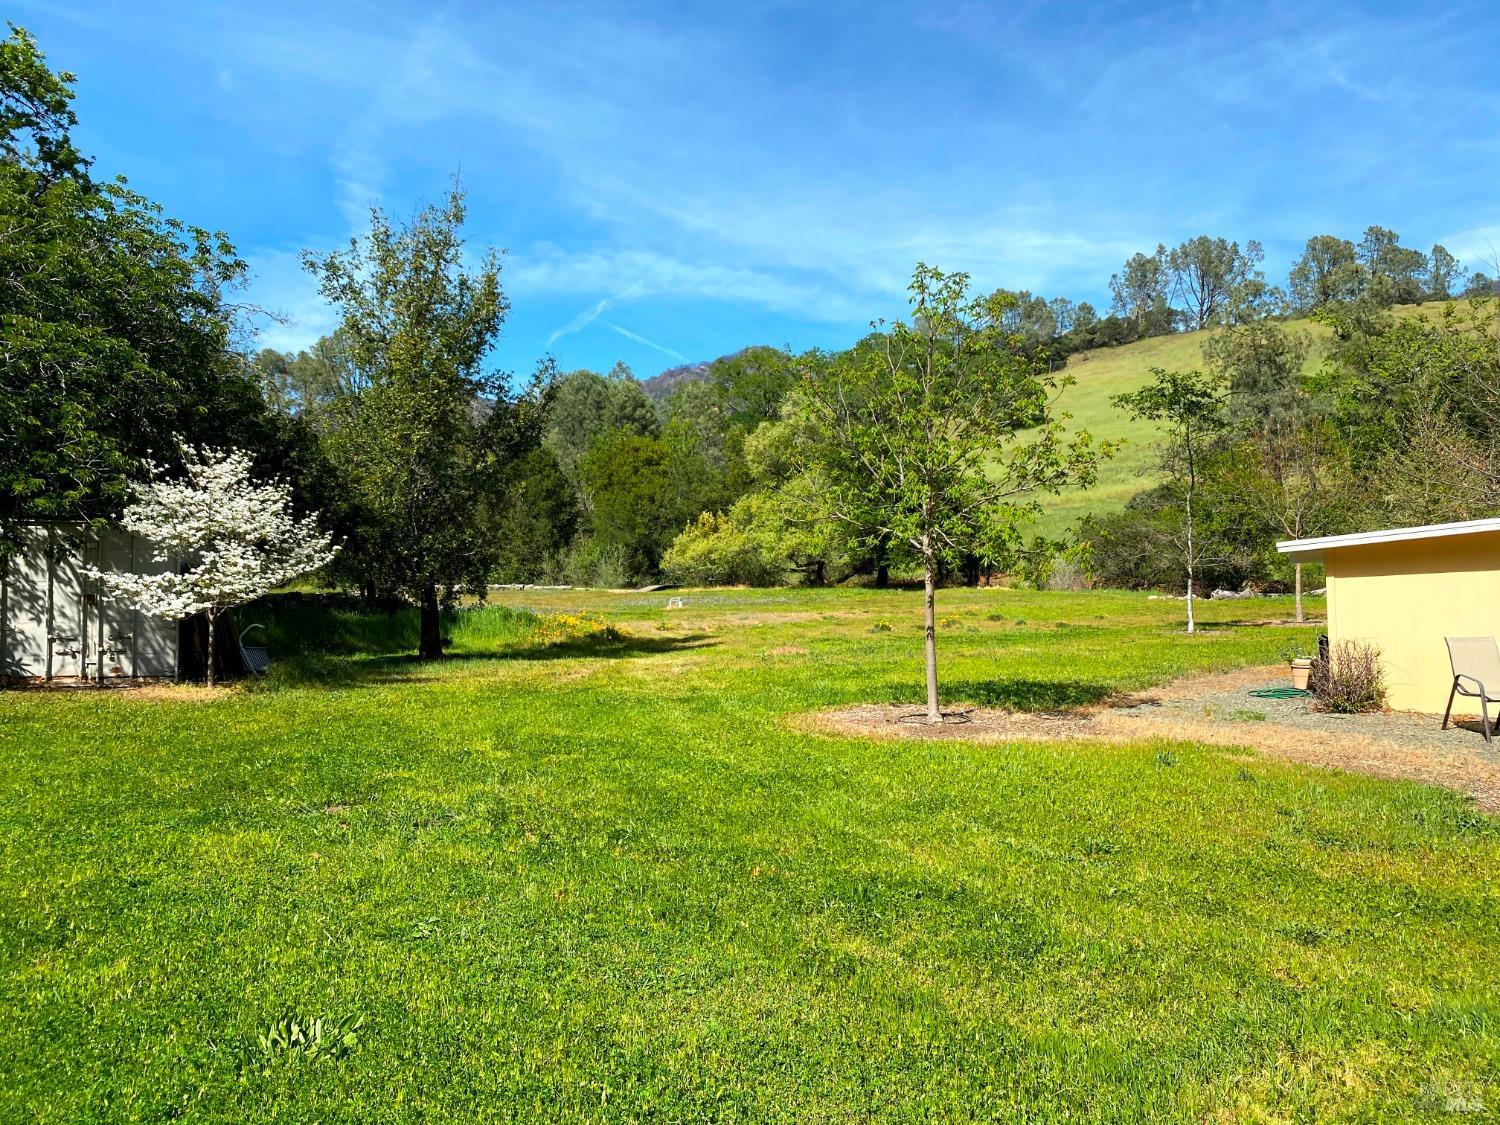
(1478, 692)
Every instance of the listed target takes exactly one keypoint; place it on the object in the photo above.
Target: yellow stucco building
(1404, 590)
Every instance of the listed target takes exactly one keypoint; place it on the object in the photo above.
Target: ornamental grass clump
(1349, 681)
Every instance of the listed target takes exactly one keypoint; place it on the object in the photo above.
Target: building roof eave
(1313, 550)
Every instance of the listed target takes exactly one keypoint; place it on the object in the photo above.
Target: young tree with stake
(1192, 406)
(917, 434)
(238, 540)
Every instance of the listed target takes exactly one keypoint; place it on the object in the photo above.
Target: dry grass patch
(1475, 773)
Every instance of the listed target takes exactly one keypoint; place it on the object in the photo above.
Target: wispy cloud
(764, 167)
(591, 314)
(638, 274)
(639, 339)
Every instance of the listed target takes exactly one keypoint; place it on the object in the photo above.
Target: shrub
(589, 562)
(717, 550)
(1350, 681)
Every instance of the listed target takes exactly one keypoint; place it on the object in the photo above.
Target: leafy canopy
(937, 432)
(114, 318)
(426, 433)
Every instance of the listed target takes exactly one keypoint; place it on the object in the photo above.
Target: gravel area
(1220, 711)
(1236, 704)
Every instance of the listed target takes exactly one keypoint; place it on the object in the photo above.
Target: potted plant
(1301, 670)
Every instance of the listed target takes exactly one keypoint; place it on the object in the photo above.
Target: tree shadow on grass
(1012, 694)
(321, 670)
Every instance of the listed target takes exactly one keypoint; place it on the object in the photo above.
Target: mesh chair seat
(1475, 662)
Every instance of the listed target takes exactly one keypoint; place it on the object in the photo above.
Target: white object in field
(54, 622)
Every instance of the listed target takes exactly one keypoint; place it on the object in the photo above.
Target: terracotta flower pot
(1301, 670)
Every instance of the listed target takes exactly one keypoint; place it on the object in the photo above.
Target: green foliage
(417, 446)
(720, 550)
(338, 625)
(115, 320)
(1394, 273)
(36, 112)
(1413, 402)
(590, 562)
(308, 382)
(1209, 275)
(705, 452)
(751, 385)
(917, 433)
(913, 437)
(1141, 547)
(1140, 291)
(627, 478)
(535, 520)
(1328, 272)
(310, 1038)
(1191, 406)
(585, 406)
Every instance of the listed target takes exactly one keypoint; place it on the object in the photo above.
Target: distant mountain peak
(662, 385)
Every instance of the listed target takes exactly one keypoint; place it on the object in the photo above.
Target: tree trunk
(210, 615)
(430, 645)
(1190, 559)
(1297, 583)
(929, 586)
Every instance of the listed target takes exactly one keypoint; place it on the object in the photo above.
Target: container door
(116, 628)
(23, 604)
(67, 616)
(155, 638)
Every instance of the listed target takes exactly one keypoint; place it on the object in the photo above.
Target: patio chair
(1476, 673)
(256, 658)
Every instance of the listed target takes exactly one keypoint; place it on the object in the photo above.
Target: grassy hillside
(1104, 373)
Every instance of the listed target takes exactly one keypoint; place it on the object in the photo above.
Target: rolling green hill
(1100, 375)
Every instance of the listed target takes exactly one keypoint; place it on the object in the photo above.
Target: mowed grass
(587, 874)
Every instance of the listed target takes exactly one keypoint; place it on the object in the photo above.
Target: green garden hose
(1279, 693)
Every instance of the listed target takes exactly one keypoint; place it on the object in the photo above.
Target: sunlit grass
(597, 875)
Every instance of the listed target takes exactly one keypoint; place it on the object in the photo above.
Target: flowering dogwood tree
(237, 540)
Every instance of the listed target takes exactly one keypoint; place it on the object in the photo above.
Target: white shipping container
(56, 624)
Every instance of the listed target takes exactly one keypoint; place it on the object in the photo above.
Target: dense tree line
(116, 322)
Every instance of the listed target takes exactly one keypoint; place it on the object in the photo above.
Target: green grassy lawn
(602, 878)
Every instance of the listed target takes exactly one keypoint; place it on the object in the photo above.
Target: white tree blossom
(236, 540)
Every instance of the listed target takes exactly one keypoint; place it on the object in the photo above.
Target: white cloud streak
(639, 339)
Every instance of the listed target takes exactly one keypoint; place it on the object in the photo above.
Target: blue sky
(679, 180)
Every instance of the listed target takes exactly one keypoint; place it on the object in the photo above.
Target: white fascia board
(1311, 550)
